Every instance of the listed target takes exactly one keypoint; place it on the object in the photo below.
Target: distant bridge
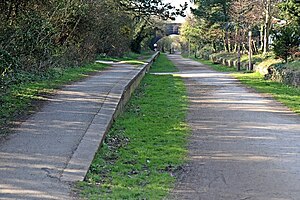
(170, 29)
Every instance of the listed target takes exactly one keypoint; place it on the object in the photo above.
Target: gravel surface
(243, 146)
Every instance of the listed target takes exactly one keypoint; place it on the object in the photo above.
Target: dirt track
(243, 146)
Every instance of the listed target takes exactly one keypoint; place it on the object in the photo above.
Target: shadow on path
(35, 156)
(243, 145)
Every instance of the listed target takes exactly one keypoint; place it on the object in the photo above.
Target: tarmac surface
(243, 146)
(34, 158)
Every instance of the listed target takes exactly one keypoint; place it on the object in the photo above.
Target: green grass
(18, 99)
(288, 95)
(146, 145)
(163, 64)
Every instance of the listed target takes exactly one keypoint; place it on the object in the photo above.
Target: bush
(286, 41)
(206, 51)
(36, 36)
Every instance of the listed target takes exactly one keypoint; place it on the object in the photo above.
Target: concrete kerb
(113, 105)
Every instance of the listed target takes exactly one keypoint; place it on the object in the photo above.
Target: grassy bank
(164, 65)
(288, 95)
(20, 99)
(146, 145)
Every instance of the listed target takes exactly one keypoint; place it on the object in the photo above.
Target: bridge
(170, 29)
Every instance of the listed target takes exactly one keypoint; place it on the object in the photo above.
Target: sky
(177, 4)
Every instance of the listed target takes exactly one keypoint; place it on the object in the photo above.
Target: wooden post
(250, 51)
(239, 51)
(189, 47)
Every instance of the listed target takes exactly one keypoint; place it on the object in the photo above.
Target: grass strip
(288, 95)
(146, 145)
(163, 64)
(18, 100)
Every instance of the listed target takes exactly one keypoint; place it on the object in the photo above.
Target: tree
(286, 41)
(243, 14)
(269, 9)
(215, 13)
(148, 8)
(290, 10)
(145, 15)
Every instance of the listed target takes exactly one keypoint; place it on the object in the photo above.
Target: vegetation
(18, 99)
(243, 28)
(37, 36)
(163, 64)
(146, 145)
(287, 41)
(40, 40)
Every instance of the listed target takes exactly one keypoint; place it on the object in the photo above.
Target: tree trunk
(267, 26)
(226, 42)
(136, 43)
(239, 51)
(261, 39)
(250, 51)
(239, 58)
(236, 41)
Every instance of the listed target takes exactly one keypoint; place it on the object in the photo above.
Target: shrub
(286, 41)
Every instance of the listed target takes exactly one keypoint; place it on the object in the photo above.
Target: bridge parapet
(170, 29)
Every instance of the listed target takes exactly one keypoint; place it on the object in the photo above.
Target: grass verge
(163, 64)
(288, 95)
(18, 100)
(146, 145)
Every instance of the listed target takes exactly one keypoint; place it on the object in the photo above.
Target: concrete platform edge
(114, 104)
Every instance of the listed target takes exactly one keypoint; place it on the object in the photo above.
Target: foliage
(206, 51)
(38, 36)
(290, 10)
(148, 8)
(286, 41)
(146, 145)
(213, 17)
(225, 25)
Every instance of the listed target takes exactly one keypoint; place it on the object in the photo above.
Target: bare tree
(243, 14)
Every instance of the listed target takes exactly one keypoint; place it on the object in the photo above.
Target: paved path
(243, 146)
(33, 159)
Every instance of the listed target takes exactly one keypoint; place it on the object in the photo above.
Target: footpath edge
(112, 107)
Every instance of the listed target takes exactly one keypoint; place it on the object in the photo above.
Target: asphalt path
(34, 158)
(244, 145)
